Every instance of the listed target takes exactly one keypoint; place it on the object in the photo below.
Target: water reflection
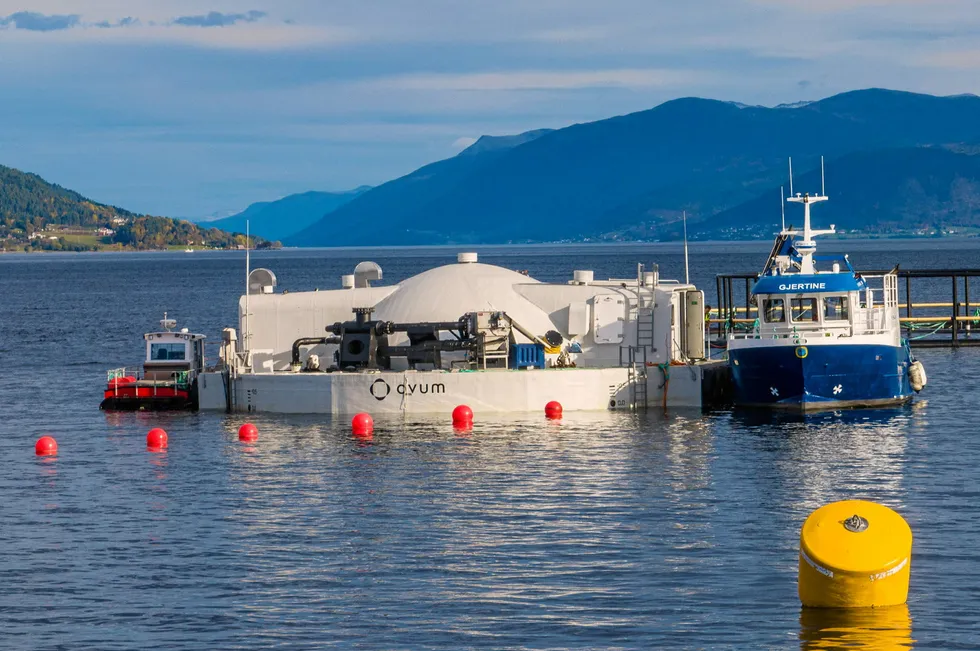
(827, 456)
(880, 629)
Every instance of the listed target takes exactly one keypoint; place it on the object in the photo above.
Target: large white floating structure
(464, 333)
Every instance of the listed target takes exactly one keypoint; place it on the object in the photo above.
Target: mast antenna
(791, 176)
(782, 205)
(823, 189)
(247, 274)
(687, 273)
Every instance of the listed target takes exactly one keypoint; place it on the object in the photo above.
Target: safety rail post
(718, 282)
(966, 296)
(955, 324)
(908, 306)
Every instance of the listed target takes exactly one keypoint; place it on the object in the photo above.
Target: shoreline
(693, 245)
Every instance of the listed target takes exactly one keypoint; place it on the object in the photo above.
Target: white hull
(416, 392)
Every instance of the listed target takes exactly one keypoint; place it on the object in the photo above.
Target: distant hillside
(396, 204)
(276, 220)
(37, 215)
(925, 189)
(637, 172)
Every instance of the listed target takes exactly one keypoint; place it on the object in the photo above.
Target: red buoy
(462, 415)
(248, 432)
(46, 445)
(156, 439)
(552, 410)
(362, 424)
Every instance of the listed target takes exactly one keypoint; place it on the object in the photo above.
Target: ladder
(644, 327)
(636, 375)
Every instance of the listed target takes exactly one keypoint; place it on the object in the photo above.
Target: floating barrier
(552, 410)
(462, 415)
(46, 446)
(156, 439)
(854, 554)
(248, 433)
(362, 424)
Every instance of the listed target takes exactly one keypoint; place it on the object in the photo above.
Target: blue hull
(820, 377)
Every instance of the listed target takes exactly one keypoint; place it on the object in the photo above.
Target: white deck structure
(613, 335)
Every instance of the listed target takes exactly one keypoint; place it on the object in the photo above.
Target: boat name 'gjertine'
(804, 286)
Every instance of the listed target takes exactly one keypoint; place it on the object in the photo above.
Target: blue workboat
(826, 337)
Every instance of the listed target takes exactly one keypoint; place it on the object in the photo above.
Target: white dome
(447, 293)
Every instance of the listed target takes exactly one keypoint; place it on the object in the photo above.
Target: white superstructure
(468, 332)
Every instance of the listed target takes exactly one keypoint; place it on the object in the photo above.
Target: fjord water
(606, 530)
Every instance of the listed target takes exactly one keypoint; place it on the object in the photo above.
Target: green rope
(928, 334)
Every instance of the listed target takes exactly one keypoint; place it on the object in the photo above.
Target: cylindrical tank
(854, 554)
(583, 276)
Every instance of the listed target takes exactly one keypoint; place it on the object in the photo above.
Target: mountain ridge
(280, 218)
(36, 214)
(700, 155)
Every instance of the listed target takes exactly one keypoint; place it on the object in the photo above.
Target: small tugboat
(824, 339)
(168, 381)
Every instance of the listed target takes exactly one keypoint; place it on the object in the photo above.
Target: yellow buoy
(854, 554)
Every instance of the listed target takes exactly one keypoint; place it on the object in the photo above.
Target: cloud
(128, 21)
(35, 22)
(463, 142)
(217, 19)
(540, 79)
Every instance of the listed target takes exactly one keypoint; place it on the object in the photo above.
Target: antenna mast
(806, 246)
(687, 273)
(823, 189)
(782, 205)
(248, 272)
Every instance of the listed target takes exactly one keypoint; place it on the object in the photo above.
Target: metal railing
(944, 315)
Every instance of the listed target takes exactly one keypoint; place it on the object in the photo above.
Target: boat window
(835, 308)
(166, 352)
(773, 310)
(804, 309)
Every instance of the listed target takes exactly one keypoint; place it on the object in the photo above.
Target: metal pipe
(440, 345)
(308, 341)
(521, 329)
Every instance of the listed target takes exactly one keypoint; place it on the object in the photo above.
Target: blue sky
(184, 108)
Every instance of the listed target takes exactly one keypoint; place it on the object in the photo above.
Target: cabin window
(804, 310)
(166, 352)
(773, 310)
(835, 308)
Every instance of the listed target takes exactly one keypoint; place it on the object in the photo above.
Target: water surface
(606, 530)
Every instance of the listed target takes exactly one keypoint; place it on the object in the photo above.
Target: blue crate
(527, 356)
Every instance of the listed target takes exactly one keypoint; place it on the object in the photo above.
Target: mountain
(497, 143)
(926, 189)
(275, 220)
(395, 204)
(38, 215)
(638, 172)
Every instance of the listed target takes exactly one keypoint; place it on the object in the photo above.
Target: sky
(186, 108)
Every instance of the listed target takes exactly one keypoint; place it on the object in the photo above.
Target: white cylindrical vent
(583, 276)
(466, 257)
(649, 278)
(347, 281)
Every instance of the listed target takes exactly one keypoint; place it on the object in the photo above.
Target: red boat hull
(137, 397)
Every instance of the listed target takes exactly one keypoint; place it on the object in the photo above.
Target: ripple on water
(598, 531)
